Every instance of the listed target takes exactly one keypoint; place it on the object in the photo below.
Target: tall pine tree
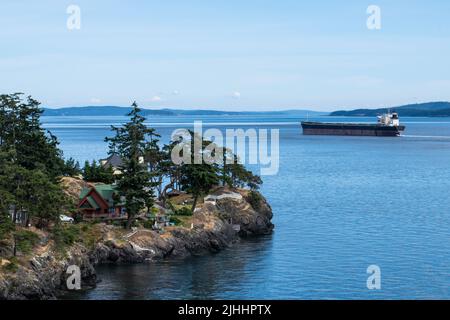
(30, 162)
(134, 185)
(21, 132)
(199, 178)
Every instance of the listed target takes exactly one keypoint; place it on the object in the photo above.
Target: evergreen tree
(97, 173)
(240, 177)
(155, 159)
(87, 172)
(169, 170)
(6, 200)
(134, 184)
(21, 131)
(30, 162)
(71, 168)
(198, 178)
(106, 174)
(6, 223)
(45, 201)
(234, 173)
(31, 194)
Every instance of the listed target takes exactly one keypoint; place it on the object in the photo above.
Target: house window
(112, 210)
(123, 211)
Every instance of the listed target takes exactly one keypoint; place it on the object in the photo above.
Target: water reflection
(203, 277)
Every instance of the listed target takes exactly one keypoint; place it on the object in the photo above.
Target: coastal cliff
(217, 223)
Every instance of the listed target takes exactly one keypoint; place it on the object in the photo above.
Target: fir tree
(97, 173)
(134, 184)
(30, 162)
(21, 131)
(71, 168)
(6, 223)
(199, 178)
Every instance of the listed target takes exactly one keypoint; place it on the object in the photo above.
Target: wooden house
(101, 202)
(115, 162)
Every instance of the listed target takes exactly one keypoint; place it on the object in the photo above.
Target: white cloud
(175, 92)
(96, 100)
(156, 99)
(236, 95)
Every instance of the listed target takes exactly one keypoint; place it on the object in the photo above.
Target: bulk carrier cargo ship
(388, 126)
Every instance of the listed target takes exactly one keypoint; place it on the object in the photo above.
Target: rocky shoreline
(216, 225)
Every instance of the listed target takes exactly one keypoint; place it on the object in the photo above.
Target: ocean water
(340, 204)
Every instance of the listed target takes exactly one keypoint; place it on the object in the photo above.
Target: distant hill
(93, 111)
(429, 109)
(121, 111)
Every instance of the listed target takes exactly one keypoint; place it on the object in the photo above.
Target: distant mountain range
(121, 111)
(429, 109)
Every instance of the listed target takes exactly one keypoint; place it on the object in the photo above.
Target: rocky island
(139, 205)
(214, 226)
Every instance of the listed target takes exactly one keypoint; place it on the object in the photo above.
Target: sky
(226, 54)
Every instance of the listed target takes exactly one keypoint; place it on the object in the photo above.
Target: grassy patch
(12, 266)
(183, 221)
(147, 224)
(91, 236)
(183, 211)
(65, 235)
(179, 210)
(25, 241)
(176, 221)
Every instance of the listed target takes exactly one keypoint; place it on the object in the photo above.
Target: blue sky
(226, 54)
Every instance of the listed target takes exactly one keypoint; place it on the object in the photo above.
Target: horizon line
(240, 110)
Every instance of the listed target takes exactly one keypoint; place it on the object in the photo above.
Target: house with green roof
(101, 202)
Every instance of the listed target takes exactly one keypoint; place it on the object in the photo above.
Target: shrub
(85, 227)
(171, 206)
(91, 237)
(183, 211)
(176, 221)
(255, 198)
(65, 235)
(78, 217)
(25, 240)
(118, 223)
(147, 224)
(12, 267)
(6, 225)
(96, 221)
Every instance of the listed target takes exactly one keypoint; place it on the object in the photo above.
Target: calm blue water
(340, 204)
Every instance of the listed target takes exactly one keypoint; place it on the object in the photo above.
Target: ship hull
(350, 129)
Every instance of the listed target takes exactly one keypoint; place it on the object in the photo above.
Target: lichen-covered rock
(251, 221)
(73, 186)
(45, 274)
